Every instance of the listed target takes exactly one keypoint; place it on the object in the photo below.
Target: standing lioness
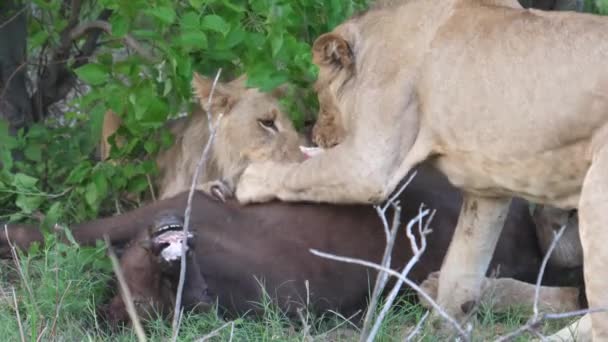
(475, 89)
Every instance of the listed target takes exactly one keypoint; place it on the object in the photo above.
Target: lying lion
(252, 128)
(471, 87)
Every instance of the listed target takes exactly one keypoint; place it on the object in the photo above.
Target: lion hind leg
(593, 218)
(504, 293)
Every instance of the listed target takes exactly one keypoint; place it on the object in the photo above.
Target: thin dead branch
(408, 282)
(15, 302)
(105, 26)
(58, 308)
(13, 17)
(199, 166)
(418, 327)
(39, 338)
(217, 332)
(391, 236)
(125, 293)
(418, 251)
(15, 258)
(538, 318)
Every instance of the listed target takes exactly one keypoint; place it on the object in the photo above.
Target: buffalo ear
(223, 96)
(331, 48)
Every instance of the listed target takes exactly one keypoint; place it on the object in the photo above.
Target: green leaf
(33, 152)
(79, 173)
(196, 39)
(190, 21)
(168, 85)
(138, 184)
(28, 204)
(120, 25)
(196, 3)
(215, 23)
(101, 184)
(150, 146)
(91, 194)
(164, 13)
(276, 42)
(52, 215)
(94, 74)
(234, 7)
(24, 182)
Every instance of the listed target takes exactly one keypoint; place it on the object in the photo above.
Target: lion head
(251, 128)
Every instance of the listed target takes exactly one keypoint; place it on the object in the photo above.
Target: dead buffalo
(239, 248)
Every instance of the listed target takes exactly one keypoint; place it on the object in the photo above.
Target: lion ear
(223, 98)
(331, 48)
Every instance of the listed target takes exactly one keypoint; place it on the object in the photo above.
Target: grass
(62, 285)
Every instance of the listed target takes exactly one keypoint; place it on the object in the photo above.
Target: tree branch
(106, 27)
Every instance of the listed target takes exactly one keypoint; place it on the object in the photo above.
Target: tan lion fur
(505, 101)
(241, 137)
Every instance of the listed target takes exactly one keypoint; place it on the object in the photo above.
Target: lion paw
(258, 183)
(217, 189)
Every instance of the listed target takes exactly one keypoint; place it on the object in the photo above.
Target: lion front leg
(462, 273)
(336, 176)
(593, 218)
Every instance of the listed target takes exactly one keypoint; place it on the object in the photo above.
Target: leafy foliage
(596, 6)
(269, 40)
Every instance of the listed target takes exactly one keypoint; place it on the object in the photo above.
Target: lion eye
(268, 124)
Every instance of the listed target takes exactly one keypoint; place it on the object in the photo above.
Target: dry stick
(199, 166)
(398, 275)
(18, 316)
(58, 308)
(418, 251)
(13, 17)
(125, 293)
(105, 26)
(391, 236)
(418, 326)
(344, 321)
(42, 333)
(19, 269)
(216, 332)
(537, 319)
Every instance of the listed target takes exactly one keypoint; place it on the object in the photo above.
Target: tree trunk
(14, 100)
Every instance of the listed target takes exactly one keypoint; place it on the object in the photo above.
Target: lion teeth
(311, 151)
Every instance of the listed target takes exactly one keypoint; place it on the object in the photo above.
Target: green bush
(269, 40)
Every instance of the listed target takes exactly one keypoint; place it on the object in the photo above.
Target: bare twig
(345, 320)
(418, 326)
(543, 265)
(418, 251)
(105, 26)
(58, 308)
(217, 332)
(39, 338)
(398, 275)
(125, 293)
(13, 17)
(391, 236)
(20, 269)
(537, 318)
(199, 166)
(10, 78)
(21, 334)
(151, 187)
(305, 326)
